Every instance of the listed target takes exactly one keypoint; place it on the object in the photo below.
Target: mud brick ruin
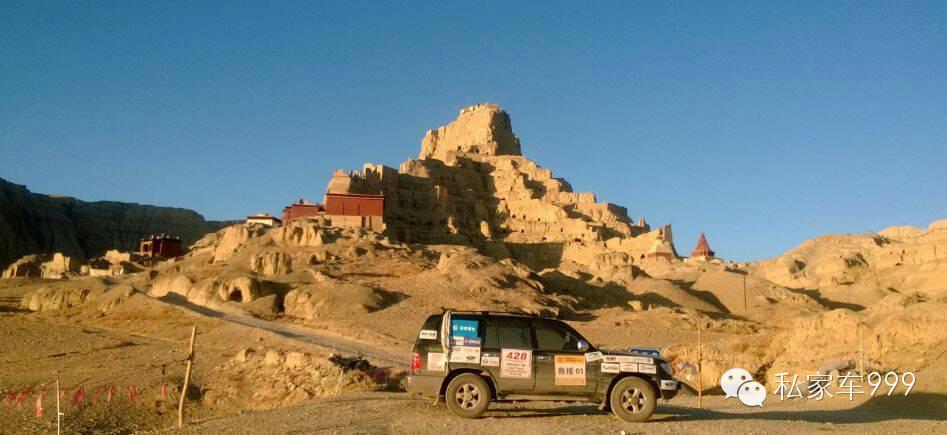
(471, 185)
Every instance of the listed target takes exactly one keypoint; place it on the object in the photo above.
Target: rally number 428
(517, 356)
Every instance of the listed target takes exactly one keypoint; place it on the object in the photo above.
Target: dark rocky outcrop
(32, 223)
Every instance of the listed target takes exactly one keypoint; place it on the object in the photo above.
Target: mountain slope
(32, 223)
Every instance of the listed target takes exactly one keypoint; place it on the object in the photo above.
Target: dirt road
(378, 354)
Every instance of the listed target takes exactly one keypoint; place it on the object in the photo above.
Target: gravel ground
(37, 348)
(403, 413)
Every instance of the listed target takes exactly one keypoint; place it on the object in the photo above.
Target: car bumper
(669, 388)
(424, 385)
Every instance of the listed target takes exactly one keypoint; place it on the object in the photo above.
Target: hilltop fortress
(471, 185)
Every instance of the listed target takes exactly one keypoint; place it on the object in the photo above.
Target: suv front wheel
(467, 395)
(633, 399)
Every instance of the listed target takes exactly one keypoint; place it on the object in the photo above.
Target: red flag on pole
(77, 397)
(39, 404)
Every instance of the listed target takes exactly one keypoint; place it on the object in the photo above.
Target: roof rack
(488, 312)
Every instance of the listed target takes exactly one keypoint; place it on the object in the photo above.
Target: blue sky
(762, 124)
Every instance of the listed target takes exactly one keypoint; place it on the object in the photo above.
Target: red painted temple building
(703, 248)
(302, 208)
(160, 246)
(343, 210)
(351, 204)
(356, 210)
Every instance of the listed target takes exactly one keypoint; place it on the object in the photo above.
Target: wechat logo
(739, 383)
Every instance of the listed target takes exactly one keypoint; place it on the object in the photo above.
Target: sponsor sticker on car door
(436, 362)
(516, 363)
(465, 354)
(570, 370)
(490, 359)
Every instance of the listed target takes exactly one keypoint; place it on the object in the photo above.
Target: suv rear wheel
(633, 399)
(467, 395)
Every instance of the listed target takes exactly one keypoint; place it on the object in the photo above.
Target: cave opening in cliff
(235, 295)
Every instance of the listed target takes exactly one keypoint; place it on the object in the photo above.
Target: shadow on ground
(922, 406)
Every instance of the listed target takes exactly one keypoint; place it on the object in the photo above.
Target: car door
(507, 354)
(466, 340)
(561, 368)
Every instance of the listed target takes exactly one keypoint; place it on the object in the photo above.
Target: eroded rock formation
(42, 266)
(484, 129)
(471, 185)
(862, 269)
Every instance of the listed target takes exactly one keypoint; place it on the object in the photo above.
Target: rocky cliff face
(32, 223)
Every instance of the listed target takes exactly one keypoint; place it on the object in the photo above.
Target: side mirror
(583, 346)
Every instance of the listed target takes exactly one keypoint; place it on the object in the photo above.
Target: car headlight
(666, 366)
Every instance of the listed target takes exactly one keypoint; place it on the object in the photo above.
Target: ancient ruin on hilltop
(471, 184)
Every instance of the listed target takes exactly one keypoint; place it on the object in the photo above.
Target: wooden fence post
(744, 293)
(58, 411)
(700, 388)
(187, 377)
(861, 351)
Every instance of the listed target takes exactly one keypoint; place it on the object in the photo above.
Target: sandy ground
(403, 413)
(142, 342)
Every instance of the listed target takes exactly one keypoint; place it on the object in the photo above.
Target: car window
(507, 334)
(555, 337)
(429, 337)
(466, 330)
(433, 323)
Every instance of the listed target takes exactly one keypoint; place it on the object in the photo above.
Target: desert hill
(360, 283)
(32, 223)
(860, 270)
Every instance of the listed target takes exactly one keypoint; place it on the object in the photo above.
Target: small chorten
(702, 249)
(660, 249)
